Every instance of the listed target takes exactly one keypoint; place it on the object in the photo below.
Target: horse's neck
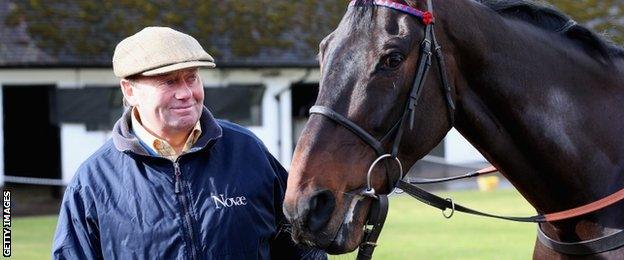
(547, 116)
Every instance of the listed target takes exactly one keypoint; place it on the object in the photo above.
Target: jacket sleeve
(282, 245)
(77, 233)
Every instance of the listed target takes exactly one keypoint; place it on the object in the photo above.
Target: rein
(587, 247)
(379, 209)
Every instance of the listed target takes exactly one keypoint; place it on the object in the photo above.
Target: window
(241, 104)
(96, 107)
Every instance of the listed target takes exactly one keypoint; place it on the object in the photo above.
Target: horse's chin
(347, 240)
(347, 231)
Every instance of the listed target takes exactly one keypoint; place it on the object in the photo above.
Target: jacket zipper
(185, 210)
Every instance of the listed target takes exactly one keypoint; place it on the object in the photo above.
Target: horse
(539, 96)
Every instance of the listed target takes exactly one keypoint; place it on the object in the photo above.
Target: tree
(603, 16)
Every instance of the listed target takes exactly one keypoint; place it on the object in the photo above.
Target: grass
(412, 231)
(416, 231)
(32, 237)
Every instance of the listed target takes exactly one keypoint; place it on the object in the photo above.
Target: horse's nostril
(321, 206)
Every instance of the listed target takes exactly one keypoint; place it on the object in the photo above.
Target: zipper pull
(176, 167)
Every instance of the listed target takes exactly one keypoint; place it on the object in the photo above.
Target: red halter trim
(399, 5)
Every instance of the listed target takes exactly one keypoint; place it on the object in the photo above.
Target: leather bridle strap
(376, 218)
(345, 122)
(444, 204)
(446, 86)
(472, 174)
(358, 131)
(421, 75)
(591, 207)
(587, 247)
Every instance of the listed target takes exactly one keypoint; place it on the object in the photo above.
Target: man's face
(168, 104)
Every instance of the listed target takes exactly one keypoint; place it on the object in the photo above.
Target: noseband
(379, 208)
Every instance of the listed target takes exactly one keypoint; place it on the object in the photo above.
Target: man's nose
(183, 91)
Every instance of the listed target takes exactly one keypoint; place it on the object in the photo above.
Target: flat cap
(158, 50)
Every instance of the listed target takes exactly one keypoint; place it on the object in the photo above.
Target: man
(174, 183)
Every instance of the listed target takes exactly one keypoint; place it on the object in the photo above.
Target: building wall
(77, 145)
(457, 150)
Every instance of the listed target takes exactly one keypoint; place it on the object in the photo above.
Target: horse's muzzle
(322, 204)
(310, 215)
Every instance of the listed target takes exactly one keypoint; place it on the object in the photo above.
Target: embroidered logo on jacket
(223, 201)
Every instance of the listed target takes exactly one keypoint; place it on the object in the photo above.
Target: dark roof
(65, 33)
(16, 47)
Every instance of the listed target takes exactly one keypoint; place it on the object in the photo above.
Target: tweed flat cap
(158, 50)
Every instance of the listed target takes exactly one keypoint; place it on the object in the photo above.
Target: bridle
(379, 208)
(398, 128)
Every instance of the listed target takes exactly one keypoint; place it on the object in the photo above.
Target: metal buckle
(369, 192)
(367, 243)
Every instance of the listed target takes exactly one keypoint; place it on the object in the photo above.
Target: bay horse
(541, 97)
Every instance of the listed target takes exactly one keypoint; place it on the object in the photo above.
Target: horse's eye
(392, 61)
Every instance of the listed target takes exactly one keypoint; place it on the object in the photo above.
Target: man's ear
(128, 92)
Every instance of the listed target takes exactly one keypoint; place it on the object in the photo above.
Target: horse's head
(368, 66)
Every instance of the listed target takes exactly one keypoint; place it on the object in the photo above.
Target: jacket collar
(125, 140)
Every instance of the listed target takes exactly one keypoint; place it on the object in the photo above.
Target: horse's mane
(550, 19)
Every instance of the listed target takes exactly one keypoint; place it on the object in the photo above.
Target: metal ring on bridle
(370, 170)
(452, 209)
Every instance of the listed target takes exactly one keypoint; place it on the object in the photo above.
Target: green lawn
(32, 237)
(413, 231)
(417, 231)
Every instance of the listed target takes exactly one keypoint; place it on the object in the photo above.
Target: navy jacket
(220, 200)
